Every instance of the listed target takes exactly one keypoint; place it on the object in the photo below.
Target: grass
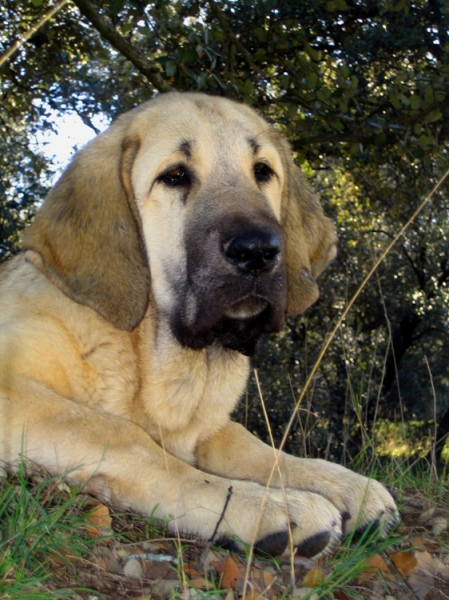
(40, 523)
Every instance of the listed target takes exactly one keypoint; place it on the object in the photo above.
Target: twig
(205, 552)
(433, 463)
(228, 497)
(31, 31)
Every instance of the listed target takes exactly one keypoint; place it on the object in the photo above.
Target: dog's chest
(188, 394)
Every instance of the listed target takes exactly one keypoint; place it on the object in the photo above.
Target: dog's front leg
(117, 460)
(234, 452)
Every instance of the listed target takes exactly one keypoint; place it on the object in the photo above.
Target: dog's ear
(310, 238)
(87, 238)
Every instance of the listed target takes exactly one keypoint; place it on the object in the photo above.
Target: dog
(170, 244)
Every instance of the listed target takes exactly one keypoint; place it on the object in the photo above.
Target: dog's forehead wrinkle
(185, 148)
(254, 145)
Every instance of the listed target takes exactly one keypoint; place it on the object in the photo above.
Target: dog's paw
(363, 503)
(275, 521)
(315, 523)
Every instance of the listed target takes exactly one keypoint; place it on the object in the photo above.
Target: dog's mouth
(238, 328)
(246, 308)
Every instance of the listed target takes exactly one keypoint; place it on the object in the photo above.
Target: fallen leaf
(426, 515)
(422, 543)
(371, 567)
(439, 524)
(432, 565)
(199, 582)
(231, 574)
(404, 562)
(165, 587)
(340, 594)
(313, 578)
(100, 522)
(154, 571)
(268, 578)
(133, 568)
(191, 571)
(419, 584)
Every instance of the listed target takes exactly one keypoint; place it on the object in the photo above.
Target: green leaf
(260, 34)
(344, 70)
(315, 55)
(116, 6)
(426, 140)
(428, 94)
(338, 125)
(312, 81)
(415, 102)
(434, 115)
(248, 87)
(187, 55)
(126, 28)
(394, 99)
(170, 68)
(202, 79)
(323, 94)
(380, 139)
(400, 78)
(292, 111)
(355, 149)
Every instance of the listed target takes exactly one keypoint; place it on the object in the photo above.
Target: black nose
(253, 251)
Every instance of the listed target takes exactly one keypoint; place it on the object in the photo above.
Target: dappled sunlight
(403, 440)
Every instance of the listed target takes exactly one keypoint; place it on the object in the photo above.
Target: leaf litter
(128, 559)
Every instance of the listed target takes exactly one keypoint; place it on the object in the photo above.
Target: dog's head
(202, 194)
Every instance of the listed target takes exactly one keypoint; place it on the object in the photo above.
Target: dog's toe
(273, 544)
(314, 545)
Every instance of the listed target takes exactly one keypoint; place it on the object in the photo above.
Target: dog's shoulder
(47, 337)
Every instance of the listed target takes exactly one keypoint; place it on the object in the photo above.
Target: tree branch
(332, 138)
(221, 18)
(110, 33)
(31, 31)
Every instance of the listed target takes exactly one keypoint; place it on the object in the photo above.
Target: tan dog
(170, 243)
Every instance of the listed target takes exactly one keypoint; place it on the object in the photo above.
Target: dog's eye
(176, 176)
(262, 172)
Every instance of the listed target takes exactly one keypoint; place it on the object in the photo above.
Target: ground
(60, 543)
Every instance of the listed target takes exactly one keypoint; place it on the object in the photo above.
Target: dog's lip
(246, 308)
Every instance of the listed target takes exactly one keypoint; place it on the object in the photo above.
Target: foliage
(361, 91)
